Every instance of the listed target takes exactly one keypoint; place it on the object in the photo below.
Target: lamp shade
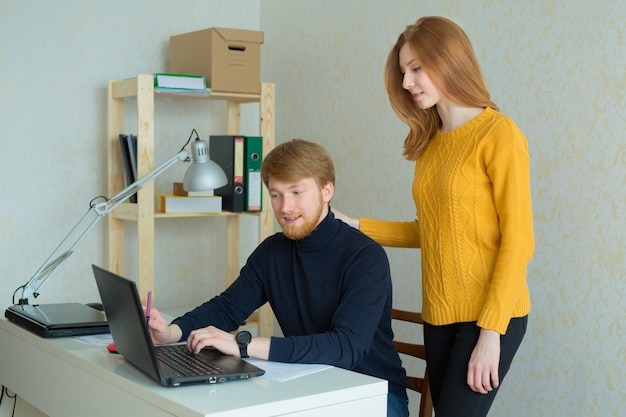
(203, 174)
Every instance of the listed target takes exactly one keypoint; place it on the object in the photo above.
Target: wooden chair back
(416, 383)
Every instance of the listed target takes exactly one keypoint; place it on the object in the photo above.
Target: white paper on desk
(97, 339)
(281, 372)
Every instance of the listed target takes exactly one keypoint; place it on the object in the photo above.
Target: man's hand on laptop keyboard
(212, 337)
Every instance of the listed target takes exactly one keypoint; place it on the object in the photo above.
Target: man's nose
(287, 204)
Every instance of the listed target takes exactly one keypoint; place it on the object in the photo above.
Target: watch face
(244, 337)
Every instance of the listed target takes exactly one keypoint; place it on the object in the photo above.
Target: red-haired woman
(473, 223)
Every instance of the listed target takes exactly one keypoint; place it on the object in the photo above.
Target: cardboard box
(230, 59)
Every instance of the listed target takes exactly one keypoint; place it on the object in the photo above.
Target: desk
(67, 377)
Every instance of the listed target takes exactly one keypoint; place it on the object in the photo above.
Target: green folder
(253, 149)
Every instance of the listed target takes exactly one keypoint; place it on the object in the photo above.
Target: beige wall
(557, 68)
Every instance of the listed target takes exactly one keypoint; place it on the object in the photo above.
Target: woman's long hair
(445, 53)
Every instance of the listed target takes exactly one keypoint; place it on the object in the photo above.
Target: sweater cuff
(493, 320)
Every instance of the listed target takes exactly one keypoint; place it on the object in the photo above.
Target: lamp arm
(100, 210)
(105, 207)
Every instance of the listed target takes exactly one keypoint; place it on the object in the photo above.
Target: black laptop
(58, 320)
(170, 365)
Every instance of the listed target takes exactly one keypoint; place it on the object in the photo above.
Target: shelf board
(128, 211)
(128, 88)
(162, 215)
(215, 95)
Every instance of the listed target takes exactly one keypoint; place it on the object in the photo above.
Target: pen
(148, 305)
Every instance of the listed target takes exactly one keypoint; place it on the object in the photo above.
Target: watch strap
(243, 350)
(243, 338)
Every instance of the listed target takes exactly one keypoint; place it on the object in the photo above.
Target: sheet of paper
(281, 372)
(97, 339)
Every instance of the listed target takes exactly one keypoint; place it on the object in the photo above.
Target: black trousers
(448, 351)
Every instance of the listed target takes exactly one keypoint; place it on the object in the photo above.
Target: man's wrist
(174, 333)
(260, 347)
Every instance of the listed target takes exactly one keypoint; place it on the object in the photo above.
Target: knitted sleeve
(388, 233)
(509, 171)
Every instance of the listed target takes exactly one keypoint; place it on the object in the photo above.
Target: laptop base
(58, 320)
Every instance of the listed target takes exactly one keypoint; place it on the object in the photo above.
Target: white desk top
(42, 371)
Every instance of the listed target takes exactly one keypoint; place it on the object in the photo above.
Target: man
(328, 284)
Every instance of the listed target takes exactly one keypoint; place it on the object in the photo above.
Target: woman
(474, 215)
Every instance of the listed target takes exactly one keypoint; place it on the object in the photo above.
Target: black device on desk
(170, 365)
(58, 320)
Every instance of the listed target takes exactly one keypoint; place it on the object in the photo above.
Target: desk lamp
(202, 175)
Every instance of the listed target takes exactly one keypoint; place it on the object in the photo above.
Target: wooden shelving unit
(143, 212)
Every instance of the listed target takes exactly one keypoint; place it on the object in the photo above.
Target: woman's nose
(407, 82)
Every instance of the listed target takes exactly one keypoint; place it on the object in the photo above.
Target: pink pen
(148, 305)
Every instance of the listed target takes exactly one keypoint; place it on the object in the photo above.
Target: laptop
(131, 336)
(58, 320)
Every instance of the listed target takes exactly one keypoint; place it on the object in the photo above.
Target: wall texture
(558, 69)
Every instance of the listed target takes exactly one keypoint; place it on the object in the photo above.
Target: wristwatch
(243, 338)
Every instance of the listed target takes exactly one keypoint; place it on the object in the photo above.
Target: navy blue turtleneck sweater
(331, 294)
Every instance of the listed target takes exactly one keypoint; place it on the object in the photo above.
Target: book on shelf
(181, 192)
(170, 203)
(206, 92)
(132, 150)
(179, 81)
(129, 162)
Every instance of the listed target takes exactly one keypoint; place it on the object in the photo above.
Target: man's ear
(328, 191)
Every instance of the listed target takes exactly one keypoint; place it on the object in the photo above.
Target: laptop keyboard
(185, 362)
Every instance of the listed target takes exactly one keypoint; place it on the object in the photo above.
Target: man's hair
(298, 159)
(445, 53)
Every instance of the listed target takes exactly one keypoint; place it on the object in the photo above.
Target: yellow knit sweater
(474, 224)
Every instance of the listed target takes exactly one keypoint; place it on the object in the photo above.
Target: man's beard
(297, 232)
